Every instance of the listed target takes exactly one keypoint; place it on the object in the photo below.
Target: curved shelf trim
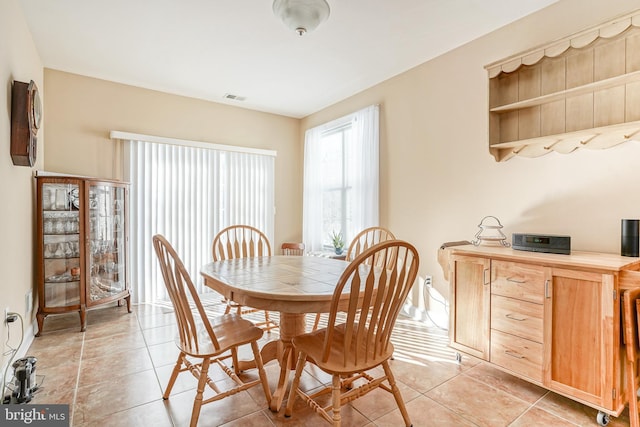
(593, 139)
(577, 41)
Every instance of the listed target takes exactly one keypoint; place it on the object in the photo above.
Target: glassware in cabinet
(107, 242)
(60, 244)
(61, 264)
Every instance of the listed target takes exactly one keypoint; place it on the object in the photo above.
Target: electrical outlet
(428, 281)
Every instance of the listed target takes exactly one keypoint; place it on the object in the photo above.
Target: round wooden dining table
(291, 285)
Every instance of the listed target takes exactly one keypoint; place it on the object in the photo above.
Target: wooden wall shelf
(582, 91)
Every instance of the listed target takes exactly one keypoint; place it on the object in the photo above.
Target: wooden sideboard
(553, 320)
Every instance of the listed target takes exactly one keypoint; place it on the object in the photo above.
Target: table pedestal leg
(290, 326)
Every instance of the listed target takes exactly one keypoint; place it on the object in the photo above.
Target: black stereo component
(542, 243)
(629, 237)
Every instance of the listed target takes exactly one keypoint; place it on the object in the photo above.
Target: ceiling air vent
(234, 97)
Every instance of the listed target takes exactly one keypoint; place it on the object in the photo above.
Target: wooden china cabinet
(82, 259)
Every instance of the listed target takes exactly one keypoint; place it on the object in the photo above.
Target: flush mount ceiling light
(301, 15)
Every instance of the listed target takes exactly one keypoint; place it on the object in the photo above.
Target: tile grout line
(499, 390)
(451, 410)
(153, 365)
(545, 410)
(531, 406)
(146, 346)
(75, 390)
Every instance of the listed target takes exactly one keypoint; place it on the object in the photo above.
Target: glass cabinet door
(106, 239)
(61, 244)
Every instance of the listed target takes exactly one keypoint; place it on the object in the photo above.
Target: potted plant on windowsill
(338, 242)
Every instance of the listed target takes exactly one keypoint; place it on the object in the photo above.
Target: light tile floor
(114, 374)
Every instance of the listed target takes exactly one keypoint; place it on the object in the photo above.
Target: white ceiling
(207, 48)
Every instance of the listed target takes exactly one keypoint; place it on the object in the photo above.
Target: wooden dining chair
(631, 324)
(242, 241)
(367, 238)
(350, 349)
(363, 240)
(209, 341)
(289, 248)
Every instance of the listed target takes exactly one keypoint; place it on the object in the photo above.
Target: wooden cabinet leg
(40, 318)
(83, 319)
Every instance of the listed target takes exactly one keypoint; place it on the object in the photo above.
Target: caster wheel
(602, 418)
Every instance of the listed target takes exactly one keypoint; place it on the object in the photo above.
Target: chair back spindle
(240, 241)
(290, 248)
(363, 241)
(378, 282)
(181, 290)
(367, 238)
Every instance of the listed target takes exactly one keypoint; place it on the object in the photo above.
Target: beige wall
(81, 111)
(19, 61)
(439, 179)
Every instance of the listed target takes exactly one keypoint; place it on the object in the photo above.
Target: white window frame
(364, 173)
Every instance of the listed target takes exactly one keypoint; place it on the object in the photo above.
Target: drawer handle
(512, 354)
(514, 317)
(511, 279)
(547, 294)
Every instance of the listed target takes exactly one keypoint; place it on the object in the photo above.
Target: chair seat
(313, 345)
(230, 330)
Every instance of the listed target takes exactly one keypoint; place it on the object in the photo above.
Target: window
(341, 178)
(188, 193)
(336, 188)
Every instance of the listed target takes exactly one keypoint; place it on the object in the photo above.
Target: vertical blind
(188, 194)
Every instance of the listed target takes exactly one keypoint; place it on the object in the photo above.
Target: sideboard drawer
(522, 281)
(516, 317)
(517, 354)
